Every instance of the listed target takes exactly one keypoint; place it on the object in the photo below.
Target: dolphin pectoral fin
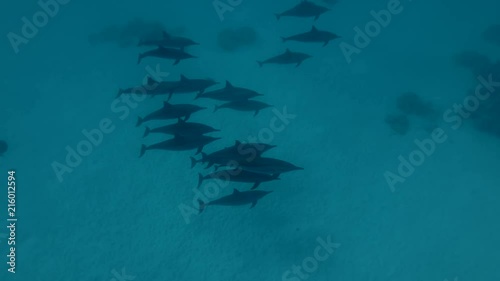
(316, 17)
(177, 62)
(187, 117)
(283, 39)
(120, 92)
(256, 112)
(143, 150)
(201, 207)
(170, 96)
(298, 64)
(255, 185)
(326, 43)
(139, 59)
(253, 204)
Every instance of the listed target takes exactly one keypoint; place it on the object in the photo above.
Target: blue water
(115, 213)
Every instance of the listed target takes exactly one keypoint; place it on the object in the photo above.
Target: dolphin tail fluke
(283, 39)
(200, 179)
(201, 207)
(143, 150)
(200, 150)
(278, 16)
(139, 121)
(146, 132)
(260, 63)
(193, 162)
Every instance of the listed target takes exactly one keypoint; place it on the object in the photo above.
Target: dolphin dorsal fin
(165, 34)
(151, 81)
(236, 191)
(183, 78)
(229, 85)
(314, 29)
(166, 104)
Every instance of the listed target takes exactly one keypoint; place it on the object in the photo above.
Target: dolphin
(239, 175)
(182, 128)
(171, 111)
(169, 41)
(233, 155)
(244, 105)
(229, 93)
(268, 166)
(305, 9)
(152, 88)
(314, 35)
(288, 57)
(237, 198)
(166, 53)
(179, 143)
(186, 85)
